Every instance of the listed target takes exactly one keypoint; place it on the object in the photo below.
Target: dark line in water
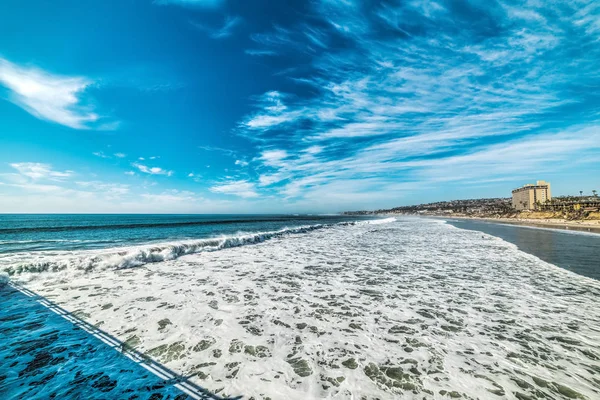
(149, 225)
(182, 383)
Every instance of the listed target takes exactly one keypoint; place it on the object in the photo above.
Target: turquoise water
(37, 232)
(39, 243)
(44, 356)
(472, 313)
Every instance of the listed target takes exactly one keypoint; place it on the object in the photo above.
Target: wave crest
(141, 255)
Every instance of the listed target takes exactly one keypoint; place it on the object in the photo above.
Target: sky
(314, 106)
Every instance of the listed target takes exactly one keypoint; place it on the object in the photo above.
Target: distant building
(528, 196)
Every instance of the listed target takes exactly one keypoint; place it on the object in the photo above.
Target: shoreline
(580, 226)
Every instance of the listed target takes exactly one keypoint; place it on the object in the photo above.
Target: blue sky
(229, 106)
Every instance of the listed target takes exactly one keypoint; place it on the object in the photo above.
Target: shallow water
(413, 308)
(572, 250)
(43, 356)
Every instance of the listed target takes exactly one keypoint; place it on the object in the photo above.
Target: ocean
(307, 307)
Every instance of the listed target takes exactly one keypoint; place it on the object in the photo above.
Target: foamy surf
(417, 309)
(128, 257)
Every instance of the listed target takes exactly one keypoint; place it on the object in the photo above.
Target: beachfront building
(528, 197)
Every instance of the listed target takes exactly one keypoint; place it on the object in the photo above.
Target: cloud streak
(223, 32)
(241, 188)
(426, 92)
(54, 98)
(152, 170)
(37, 171)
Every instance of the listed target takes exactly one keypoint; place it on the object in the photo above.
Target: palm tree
(581, 193)
(594, 193)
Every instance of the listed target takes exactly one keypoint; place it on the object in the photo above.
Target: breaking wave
(129, 257)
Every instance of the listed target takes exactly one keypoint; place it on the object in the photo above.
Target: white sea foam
(127, 257)
(410, 309)
(378, 221)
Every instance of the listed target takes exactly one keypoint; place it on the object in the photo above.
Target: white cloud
(274, 113)
(100, 154)
(269, 179)
(313, 149)
(49, 97)
(152, 170)
(172, 196)
(107, 189)
(131, 173)
(224, 31)
(228, 152)
(274, 158)
(120, 155)
(393, 109)
(38, 171)
(36, 187)
(195, 177)
(240, 188)
(241, 163)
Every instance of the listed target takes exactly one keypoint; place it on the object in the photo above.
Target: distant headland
(529, 205)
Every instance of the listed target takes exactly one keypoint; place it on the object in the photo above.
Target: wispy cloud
(222, 32)
(54, 98)
(195, 177)
(107, 189)
(210, 149)
(240, 188)
(301, 38)
(273, 113)
(152, 170)
(172, 196)
(100, 154)
(37, 171)
(424, 92)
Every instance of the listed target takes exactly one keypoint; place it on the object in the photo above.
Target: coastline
(581, 226)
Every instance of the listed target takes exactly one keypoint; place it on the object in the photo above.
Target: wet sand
(584, 226)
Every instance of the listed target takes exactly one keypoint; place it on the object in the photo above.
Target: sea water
(329, 308)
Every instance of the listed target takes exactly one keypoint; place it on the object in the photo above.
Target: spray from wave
(141, 255)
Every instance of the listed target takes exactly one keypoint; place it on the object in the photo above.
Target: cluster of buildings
(468, 207)
(530, 196)
(539, 197)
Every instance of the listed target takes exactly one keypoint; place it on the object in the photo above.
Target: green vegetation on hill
(487, 208)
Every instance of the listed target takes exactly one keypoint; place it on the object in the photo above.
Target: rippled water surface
(573, 250)
(42, 356)
(407, 308)
(66, 232)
